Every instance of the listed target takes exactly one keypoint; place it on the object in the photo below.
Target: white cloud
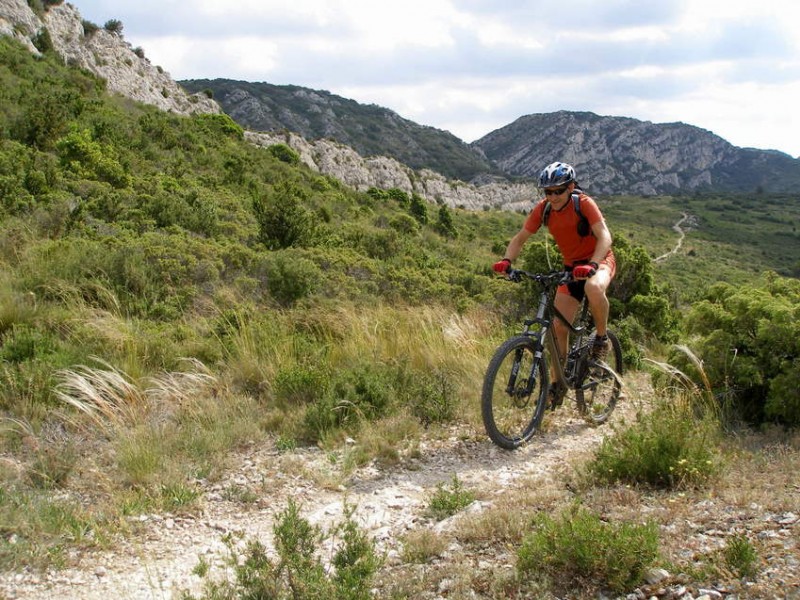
(471, 66)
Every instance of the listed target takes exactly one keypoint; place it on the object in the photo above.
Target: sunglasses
(557, 192)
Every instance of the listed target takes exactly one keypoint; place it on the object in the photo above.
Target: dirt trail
(158, 563)
(677, 227)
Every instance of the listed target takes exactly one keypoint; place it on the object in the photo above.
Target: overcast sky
(473, 66)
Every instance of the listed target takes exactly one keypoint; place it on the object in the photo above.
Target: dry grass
(422, 545)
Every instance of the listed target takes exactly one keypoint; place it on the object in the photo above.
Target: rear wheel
(514, 393)
(600, 389)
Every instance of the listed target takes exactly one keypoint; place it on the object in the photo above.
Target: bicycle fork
(524, 391)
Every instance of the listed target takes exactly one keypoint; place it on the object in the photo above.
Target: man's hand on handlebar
(503, 266)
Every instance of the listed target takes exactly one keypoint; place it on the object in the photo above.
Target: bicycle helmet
(556, 175)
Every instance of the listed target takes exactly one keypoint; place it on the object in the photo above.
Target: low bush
(668, 447)
(578, 548)
(298, 571)
(290, 277)
(445, 502)
(284, 153)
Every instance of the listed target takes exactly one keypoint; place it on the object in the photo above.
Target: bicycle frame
(545, 314)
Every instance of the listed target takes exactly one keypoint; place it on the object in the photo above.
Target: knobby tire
(512, 409)
(597, 394)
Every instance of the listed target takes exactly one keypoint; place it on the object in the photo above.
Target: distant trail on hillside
(681, 235)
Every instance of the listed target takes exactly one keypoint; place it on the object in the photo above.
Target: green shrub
(300, 384)
(405, 224)
(431, 396)
(578, 545)
(284, 153)
(299, 572)
(447, 502)
(113, 26)
(221, 125)
(282, 219)
(353, 395)
(668, 447)
(741, 556)
(290, 277)
(748, 340)
(23, 343)
(89, 28)
(419, 209)
(399, 196)
(42, 41)
(444, 224)
(89, 159)
(46, 114)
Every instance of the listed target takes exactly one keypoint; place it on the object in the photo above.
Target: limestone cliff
(104, 53)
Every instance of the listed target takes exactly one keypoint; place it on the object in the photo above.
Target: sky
(472, 66)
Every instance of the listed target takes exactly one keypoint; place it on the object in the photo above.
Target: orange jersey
(563, 226)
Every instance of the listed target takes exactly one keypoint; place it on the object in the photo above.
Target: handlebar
(544, 279)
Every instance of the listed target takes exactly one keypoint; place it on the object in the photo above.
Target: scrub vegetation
(170, 293)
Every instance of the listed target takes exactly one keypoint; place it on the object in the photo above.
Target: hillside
(104, 52)
(214, 356)
(369, 129)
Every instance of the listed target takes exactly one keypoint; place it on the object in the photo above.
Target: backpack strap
(584, 228)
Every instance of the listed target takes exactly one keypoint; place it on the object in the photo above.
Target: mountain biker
(589, 257)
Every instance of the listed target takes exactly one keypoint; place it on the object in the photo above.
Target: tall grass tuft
(106, 396)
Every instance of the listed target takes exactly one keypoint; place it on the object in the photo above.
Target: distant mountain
(369, 129)
(613, 155)
(617, 155)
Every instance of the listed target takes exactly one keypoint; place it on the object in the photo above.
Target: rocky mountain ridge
(613, 155)
(369, 129)
(347, 165)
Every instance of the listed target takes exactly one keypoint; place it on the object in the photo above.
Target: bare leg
(567, 306)
(595, 289)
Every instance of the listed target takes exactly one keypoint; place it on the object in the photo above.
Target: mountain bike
(516, 388)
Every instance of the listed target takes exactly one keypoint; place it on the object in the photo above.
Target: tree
(419, 209)
(445, 225)
(282, 219)
(748, 340)
(113, 26)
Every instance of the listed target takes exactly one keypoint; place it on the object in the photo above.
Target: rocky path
(158, 561)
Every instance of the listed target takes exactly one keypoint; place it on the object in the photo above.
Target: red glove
(584, 271)
(503, 266)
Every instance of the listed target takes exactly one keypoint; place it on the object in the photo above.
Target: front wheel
(600, 389)
(514, 392)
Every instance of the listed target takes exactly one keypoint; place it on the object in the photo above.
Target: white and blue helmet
(556, 174)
